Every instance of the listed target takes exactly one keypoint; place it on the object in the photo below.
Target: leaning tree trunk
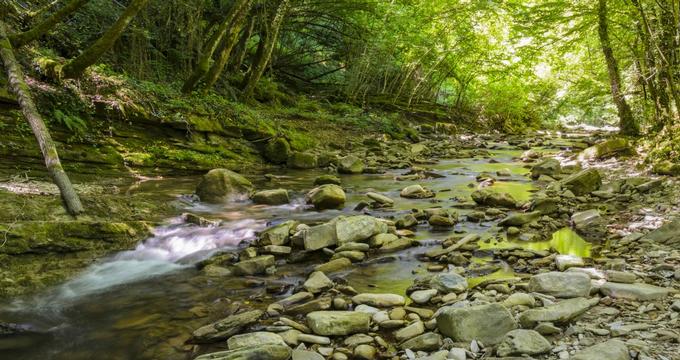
(242, 46)
(75, 68)
(262, 60)
(228, 45)
(203, 64)
(627, 124)
(42, 135)
(41, 29)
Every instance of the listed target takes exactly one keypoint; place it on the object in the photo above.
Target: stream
(143, 303)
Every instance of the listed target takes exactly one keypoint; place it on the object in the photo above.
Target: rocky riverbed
(555, 247)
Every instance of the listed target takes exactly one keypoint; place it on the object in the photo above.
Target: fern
(73, 122)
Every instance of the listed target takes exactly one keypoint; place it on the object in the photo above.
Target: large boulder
(326, 196)
(605, 149)
(583, 182)
(519, 341)
(319, 236)
(271, 197)
(488, 197)
(561, 312)
(302, 160)
(561, 284)
(668, 234)
(261, 352)
(277, 151)
(667, 168)
(609, 350)
(486, 323)
(358, 228)
(336, 323)
(549, 167)
(350, 165)
(221, 185)
(277, 234)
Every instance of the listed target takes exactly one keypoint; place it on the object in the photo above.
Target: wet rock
(354, 256)
(358, 228)
(616, 276)
(295, 299)
(264, 352)
(302, 160)
(549, 167)
(416, 192)
(277, 235)
(605, 149)
(327, 179)
(561, 312)
(640, 292)
(299, 354)
(334, 265)
(319, 237)
(222, 185)
(448, 282)
(610, 350)
(667, 168)
(668, 234)
(350, 165)
(546, 328)
(396, 245)
(317, 282)
(256, 265)
(406, 221)
(545, 205)
(321, 303)
(380, 199)
(411, 331)
(277, 250)
(277, 150)
(519, 299)
(353, 246)
(379, 300)
(520, 342)
(457, 354)
(485, 323)
(443, 220)
(271, 197)
(564, 262)
(254, 339)
(425, 342)
(423, 296)
(313, 339)
(225, 328)
(487, 197)
(583, 182)
(519, 219)
(327, 196)
(334, 323)
(561, 285)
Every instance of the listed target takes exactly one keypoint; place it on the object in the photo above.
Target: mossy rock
(302, 160)
(220, 185)
(277, 151)
(606, 149)
(667, 168)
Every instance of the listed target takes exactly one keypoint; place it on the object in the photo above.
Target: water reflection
(564, 241)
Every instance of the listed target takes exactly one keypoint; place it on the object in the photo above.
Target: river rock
(335, 323)
(519, 219)
(302, 160)
(319, 236)
(561, 284)
(443, 220)
(327, 196)
(271, 197)
(583, 182)
(365, 352)
(257, 338)
(278, 234)
(414, 329)
(299, 354)
(358, 228)
(447, 282)
(637, 291)
(605, 149)
(327, 179)
(380, 199)
(561, 312)
(485, 323)
(668, 234)
(610, 350)
(225, 328)
(317, 282)
(256, 265)
(222, 185)
(423, 296)
(416, 192)
(379, 300)
(549, 167)
(406, 221)
(426, 342)
(520, 341)
(488, 197)
(396, 245)
(667, 168)
(350, 165)
(334, 265)
(277, 150)
(263, 352)
(354, 256)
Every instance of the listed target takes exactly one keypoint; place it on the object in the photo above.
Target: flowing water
(143, 303)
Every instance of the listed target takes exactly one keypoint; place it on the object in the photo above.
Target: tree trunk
(627, 124)
(261, 61)
(242, 46)
(75, 68)
(41, 29)
(42, 135)
(203, 64)
(228, 45)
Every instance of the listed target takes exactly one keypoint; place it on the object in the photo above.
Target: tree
(46, 25)
(42, 135)
(627, 124)
(76, 67)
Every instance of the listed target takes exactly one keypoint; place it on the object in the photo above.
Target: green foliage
(71, 122)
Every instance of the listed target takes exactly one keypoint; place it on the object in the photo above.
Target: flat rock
(636, 291)
(425, 342)
(317, 282)
(254, 339)
(520, 341)
(485, 323)
(561, 284)
(448, 282)
(561, 312)
(609, 350)
(379, 300)
(225, 328)
(332, 323)
(262, 352)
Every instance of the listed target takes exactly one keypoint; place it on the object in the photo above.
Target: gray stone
(327, 179)
(411, 331)
(328, 196)
(350, 165)
(425, 342)
(354, 246)
(299, 354)
(302, 160)
(254, 339)
(222, 185)
(561, 284)
(271, 197)
(520, 341)
(225, 328)
(332, 323)
(583, 182)
(668, 234)
(519, 219)
(256, 265)
(365, 352)
(380, 199)
(379, 300)
(358, 228)
(314, 339)
(263, 352)
(561, 312)
(488, 197)
(334, 265)
(447, 282)
(605, 149)
(416, 192)
(278, 234)
(423, 296)
(549, 167)
(485, 323)
(317, 282)
(637, 291)
(609, 350)
(354, 256)
(319, 237)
